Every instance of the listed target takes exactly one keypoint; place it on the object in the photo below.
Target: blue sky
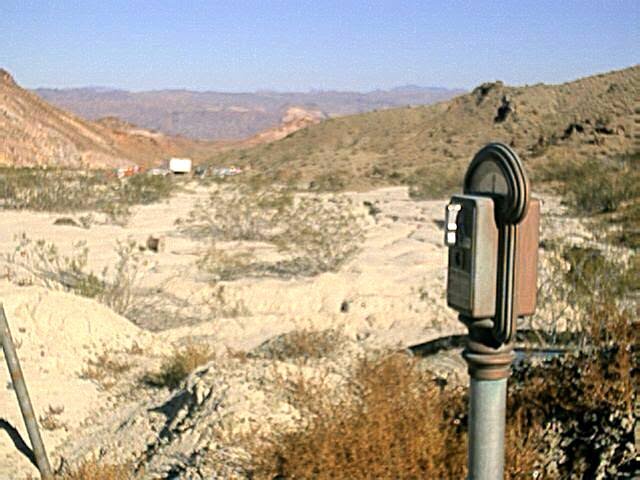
(240, 45)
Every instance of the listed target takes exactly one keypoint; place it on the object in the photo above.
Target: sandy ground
(391, 294)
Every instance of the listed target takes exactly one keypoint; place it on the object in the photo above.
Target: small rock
(156, 244)
(66, 221)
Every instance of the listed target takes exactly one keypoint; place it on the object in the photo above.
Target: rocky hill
(33, 132)
(548, 125)
(229, 116)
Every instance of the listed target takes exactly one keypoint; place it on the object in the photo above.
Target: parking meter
(492, 234)
(491, 231)
(472, 238)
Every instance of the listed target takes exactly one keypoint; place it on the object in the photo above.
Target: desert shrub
(566, 418)
(589, 271)
(581, 408)
(50, 189)
(105, 369)
(224, 265)
(56, 190)
(329, 182)
(435, 181)
(122, 289)
(145, 189)
(569, 417)
(394, 422)
(586, 401)
(627, 220)
(299, 344)
(40, 262)
(95, 469)
(574, 281)
(242, 213)
(317, 235)
(313, 234)
(177, 366)
(391, 420)
(600, 191)
(597, 186)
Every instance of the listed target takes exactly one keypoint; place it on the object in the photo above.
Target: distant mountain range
(228, 116)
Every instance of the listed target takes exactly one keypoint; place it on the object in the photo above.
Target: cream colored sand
(55, 334)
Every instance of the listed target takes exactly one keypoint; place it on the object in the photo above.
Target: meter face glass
(488, 178)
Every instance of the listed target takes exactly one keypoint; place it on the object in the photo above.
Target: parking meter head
(497, 172)
(472, 237)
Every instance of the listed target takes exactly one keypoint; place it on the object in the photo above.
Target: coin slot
(458, 258)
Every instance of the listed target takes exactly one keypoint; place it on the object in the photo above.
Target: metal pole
(24, 401)
(487, 408)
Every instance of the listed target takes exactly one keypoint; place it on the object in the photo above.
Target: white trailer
(180, 165)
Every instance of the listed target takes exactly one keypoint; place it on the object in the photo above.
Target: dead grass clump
(105, 370)
(578, 414)
(300, 344)
(395, 422)
(177, 367)
(50, 420)
(568, 418)
(94, 469)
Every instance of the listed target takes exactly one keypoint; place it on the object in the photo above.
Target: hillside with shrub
(550, 126)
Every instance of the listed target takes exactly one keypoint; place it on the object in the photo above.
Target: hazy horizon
(107, 88)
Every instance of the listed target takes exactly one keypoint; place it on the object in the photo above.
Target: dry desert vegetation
(291, 323)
